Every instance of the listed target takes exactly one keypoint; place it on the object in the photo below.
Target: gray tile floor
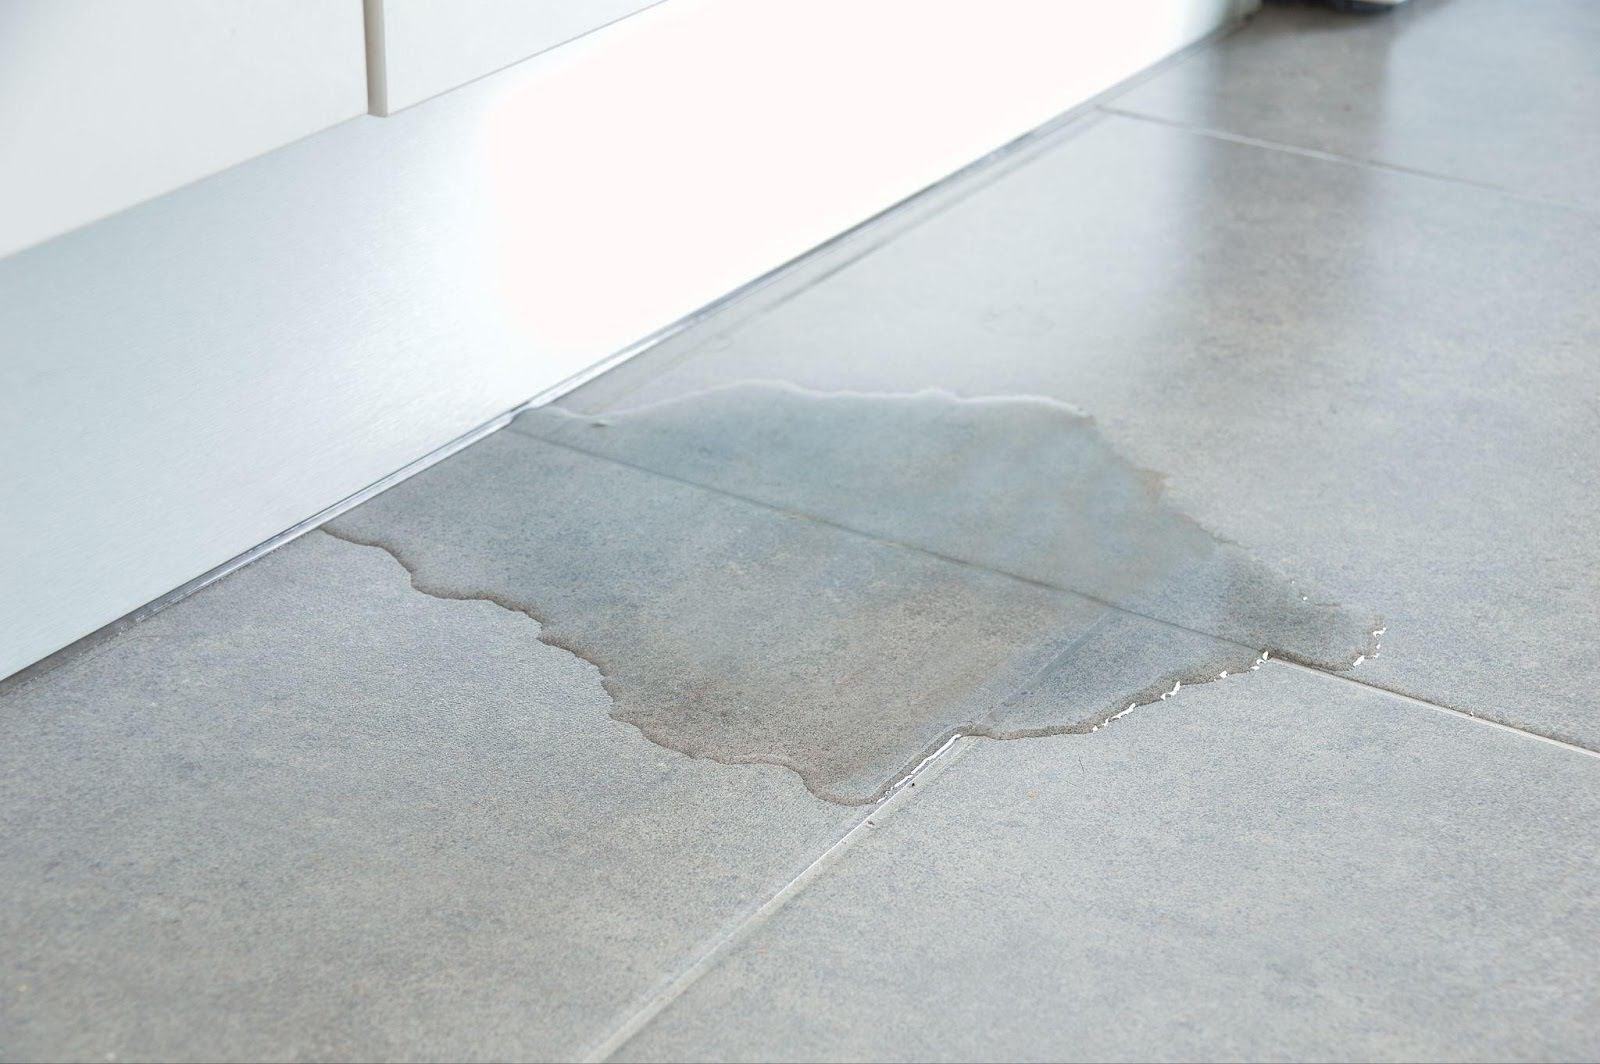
(431, 799)
(1470, 90)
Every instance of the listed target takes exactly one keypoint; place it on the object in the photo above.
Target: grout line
(956, 747)
(1441, 708)
(1277, 655)
(1343, 160)
(874, 537)
(713, 954)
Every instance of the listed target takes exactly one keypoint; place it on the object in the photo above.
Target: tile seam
(1323, 155)
(1276, 656)
(1440, 707)
(852, 530)
(662, 999)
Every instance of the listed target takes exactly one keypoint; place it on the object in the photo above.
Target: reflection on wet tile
(838, 584)
(724, 629)
(1100, 666)
(1020, 485)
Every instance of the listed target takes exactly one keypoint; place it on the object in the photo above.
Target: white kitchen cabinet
(105, 103)
(420, 48)
(188, 378)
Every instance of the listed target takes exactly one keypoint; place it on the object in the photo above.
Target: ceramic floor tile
(1503, 94)
(311, 812)
(1280, 867)
(432, 800)
(1377, 382)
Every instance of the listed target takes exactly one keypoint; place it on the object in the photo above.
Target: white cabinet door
(420, 48)
(105, 103)
(184, 380)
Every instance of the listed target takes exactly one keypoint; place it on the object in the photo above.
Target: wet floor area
(1135, 603)
(839, 583)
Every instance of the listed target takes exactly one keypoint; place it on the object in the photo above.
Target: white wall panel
(421, 48)
(184, 380)
(106, 103)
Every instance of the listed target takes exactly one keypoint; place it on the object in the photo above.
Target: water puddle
(839, 583)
